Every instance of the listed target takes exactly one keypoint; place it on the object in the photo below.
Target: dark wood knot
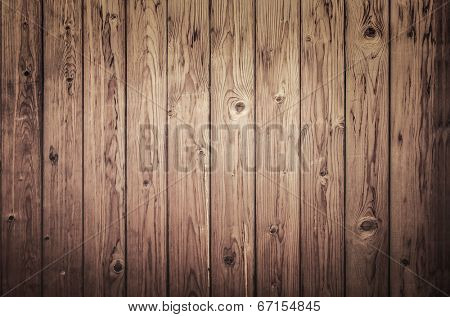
(146, 182)
(273, 229)
(404, 262)
(53, 156)
(239, 107)
(46, 238)
(228, 260)
(27, 73)
(323, 172)
(118, 267)
(279, 99)
(370, 32)
(369, 225)
(11, 219)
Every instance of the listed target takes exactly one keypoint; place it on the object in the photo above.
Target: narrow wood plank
(63, 132)
(367, 146)
(188, 147)
(146, 147)
(278, 119)
(21, 111)
(232, 114)
(322, 147)
(420, 143)
(104, 147)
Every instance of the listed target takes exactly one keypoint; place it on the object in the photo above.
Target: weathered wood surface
(21, 118)
(278, 121)
(367, 148)
(420, 118)
(62, 151)
(188, 147)
(104, 147)
(232, 180)
(322, 148)
(146, 147)
(128, 147)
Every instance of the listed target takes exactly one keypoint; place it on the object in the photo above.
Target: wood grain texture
(419, 138)
(146, 147)
(367, 148)
(322, 147)
(21, 110)
(188, 147)
(104, 147)
(63, 131)
(232, 180)
(278, 119)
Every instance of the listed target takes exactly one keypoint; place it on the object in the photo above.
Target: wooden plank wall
(225, 148)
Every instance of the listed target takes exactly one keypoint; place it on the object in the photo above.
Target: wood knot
(113, 16)
(146, 182)
(11, 219)
(46, 238)
(370, 32)
(228, 260)
(53, 156)
(239, 107)
(323, 172)
(404, 262)
(308, 38)
(279, 99)
(273, 229)
(118, 267)
(27, 73)
(369, 225)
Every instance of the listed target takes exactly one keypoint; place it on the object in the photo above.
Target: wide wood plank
(104, 147)
(367, 146)
(21, 109)
(188, 147)
(146, 147)
(278, 121)
(420, 238)
(232, 116)
(322, 148)
(63, 135)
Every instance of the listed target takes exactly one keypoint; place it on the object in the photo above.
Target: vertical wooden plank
(188, 147)
(367, 144)
(62, 199)
(20, 148)
(104, 147)
(146, 147)
(232, 181)
(278, 118)
(322, 147)
(419, 139)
